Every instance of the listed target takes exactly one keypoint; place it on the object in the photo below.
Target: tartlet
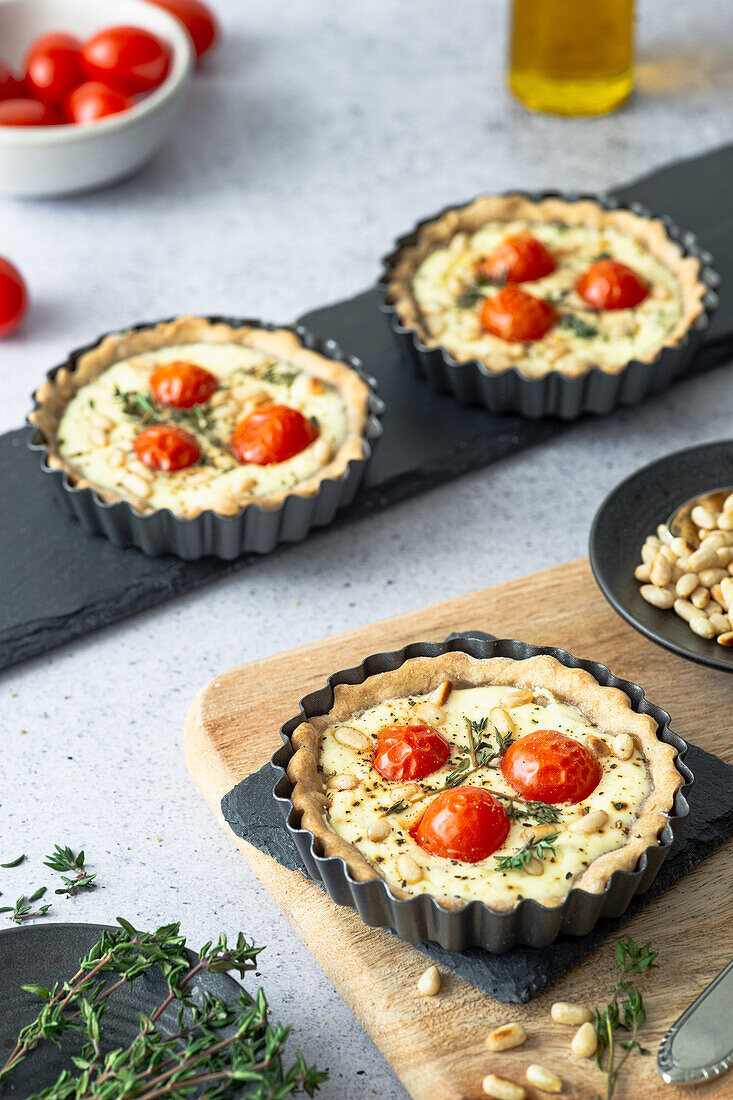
(584, 354)
(190, 430)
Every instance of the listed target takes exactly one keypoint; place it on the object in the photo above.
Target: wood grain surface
(436, 1045)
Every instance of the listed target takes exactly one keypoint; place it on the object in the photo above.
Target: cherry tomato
(10, 86)
(409, 752)
(272, 434)
(198, 19)
(181, 384)
(166, 447)
(516, 316)
(549, 766)
(53, 67)
(27, 112)
(13, 297)
(518, 259)
(92, 100)
(608, 284)
(126, 59)
(465, 823)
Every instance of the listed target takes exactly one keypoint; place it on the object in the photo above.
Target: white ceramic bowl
(58, 160)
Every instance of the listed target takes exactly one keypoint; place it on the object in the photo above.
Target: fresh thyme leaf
(577, 325)
(542, 812)
(23, 910)
(73, 885)
(276, 375)
(64, 859)
(625, 1012)
(38, 894)
(14, 862)
(470, 297)
(538, 847)
(398, 807)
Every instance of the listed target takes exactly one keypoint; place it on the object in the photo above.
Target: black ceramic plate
(49, 952)
(630, 513)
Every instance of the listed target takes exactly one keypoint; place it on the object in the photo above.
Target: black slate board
(428, 439)
(522, 973)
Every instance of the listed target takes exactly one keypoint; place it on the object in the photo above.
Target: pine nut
(717, 593)
(649, 552)
(408, 870)
(701, 625)
(714, 608)
(709, 577)
(585, 1041)
(700, 597)
(543, 1079)
(728, 503)
(658, 597)
(440, 696)
(501, 1089)
(726, 591)
(725, 639)
(502, 721)
(429, 982)
(668, 553)
(534, 867)
(506, 1037)
(663, 534)
(405, 793)
(623, 746)
(681, 547)
(99, 420)
(136, 485)
(685, 609)
(342, 782)
(116, 459)
(660, 572)
(516, 697)
(98, 438)
(428, 712)
(686, 585)
(227, 505)
(379, 830)
(702, 517)
(720, 623)
(724, 554)
(352, 738)
(597, 745)
(652, 540)
(704, 558)
(564, 1012)
(529, 832)
(590, 823)
(715, 541)
(642, 572)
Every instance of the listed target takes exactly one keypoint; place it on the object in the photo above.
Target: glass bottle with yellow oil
(572, 57)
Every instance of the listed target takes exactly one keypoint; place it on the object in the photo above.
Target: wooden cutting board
(436, 1045)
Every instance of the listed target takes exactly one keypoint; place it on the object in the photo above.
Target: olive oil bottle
(572, 57)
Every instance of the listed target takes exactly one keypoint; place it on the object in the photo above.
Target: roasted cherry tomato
(10, 86)
(608, 284)
(272, 434)
(465, 823)
(518, 259)
(549, 766)
(198, 19)
(516, 316)
(13, 296)
(166, 447)
(126, 59)
(27, 112)
(409, 752)
(182, 385)
(53, 67)
(92, 100)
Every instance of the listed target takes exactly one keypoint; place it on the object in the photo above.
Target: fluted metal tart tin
(475, 924)
(253, 529)
(598, 392)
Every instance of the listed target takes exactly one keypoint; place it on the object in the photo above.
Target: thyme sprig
(23, 908)
(139, 406)
(217, 1046)
(276, 375)
(577, 325)
(542, 812)
(624, 1013)
(64, 859)
(535, 847)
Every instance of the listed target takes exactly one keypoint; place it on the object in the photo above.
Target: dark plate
(630, 513)
(50, 952)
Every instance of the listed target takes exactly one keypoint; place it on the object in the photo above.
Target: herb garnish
(536, 846)
(63, 859)
(276, 377)
(470, 297)
(625, 1012)
(23, 909)
(578, 326)
(14, 862)
(542, 812)
(138, 405)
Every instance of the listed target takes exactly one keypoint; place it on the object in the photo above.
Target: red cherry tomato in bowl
(53, 67)
(549, 766)
(465, 823)
(198, 19)
(409, 752)
(166, 447)
(27, 112)
(13, 297)
(516, 316)
(10, 86)
(127, 59)
(92, 101)
(518, 259)
(273, 434)
(609, 284)
(182, 385)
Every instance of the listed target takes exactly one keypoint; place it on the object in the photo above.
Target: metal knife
(700, 1044)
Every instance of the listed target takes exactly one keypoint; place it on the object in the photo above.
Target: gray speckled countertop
(319, 132)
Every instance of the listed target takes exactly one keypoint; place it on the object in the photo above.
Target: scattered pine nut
(351, 738)
(429, 982)
(643, 572)
(506, 1037)
(702, 626)
(585, 1041)
(725, 639)
(379, 830)
(660, 572)
(428, 712)
(590, 823)
(565, 1012)
(543, 1079)
(658, 597)
(623, 746)
(516, 697)
(342, 782)
(501, 1089)
(440, 696)
(137, 486)
(501, 720)
(408, 870)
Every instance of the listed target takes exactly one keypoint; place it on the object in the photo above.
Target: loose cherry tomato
(166, 447)
(10, 86)
(181, 384)
(465, 823)
(409, 752)
(27, 112)
(92, 100)
(272, 434)
(13, 297)
(198, 19)
(126, 59)
(53, 67)
(516, 316)
(549, 766)
(608, 284)
(518, 259)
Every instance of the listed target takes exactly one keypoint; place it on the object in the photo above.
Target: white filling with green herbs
(242, 372)
(350, 813)
(569, 347)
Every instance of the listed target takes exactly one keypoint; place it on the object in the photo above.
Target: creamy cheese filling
(96, 435)
(570, 347)
(623, 788)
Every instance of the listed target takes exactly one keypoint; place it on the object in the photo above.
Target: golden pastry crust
(648, 232)
(53, 396)
(606, 707)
